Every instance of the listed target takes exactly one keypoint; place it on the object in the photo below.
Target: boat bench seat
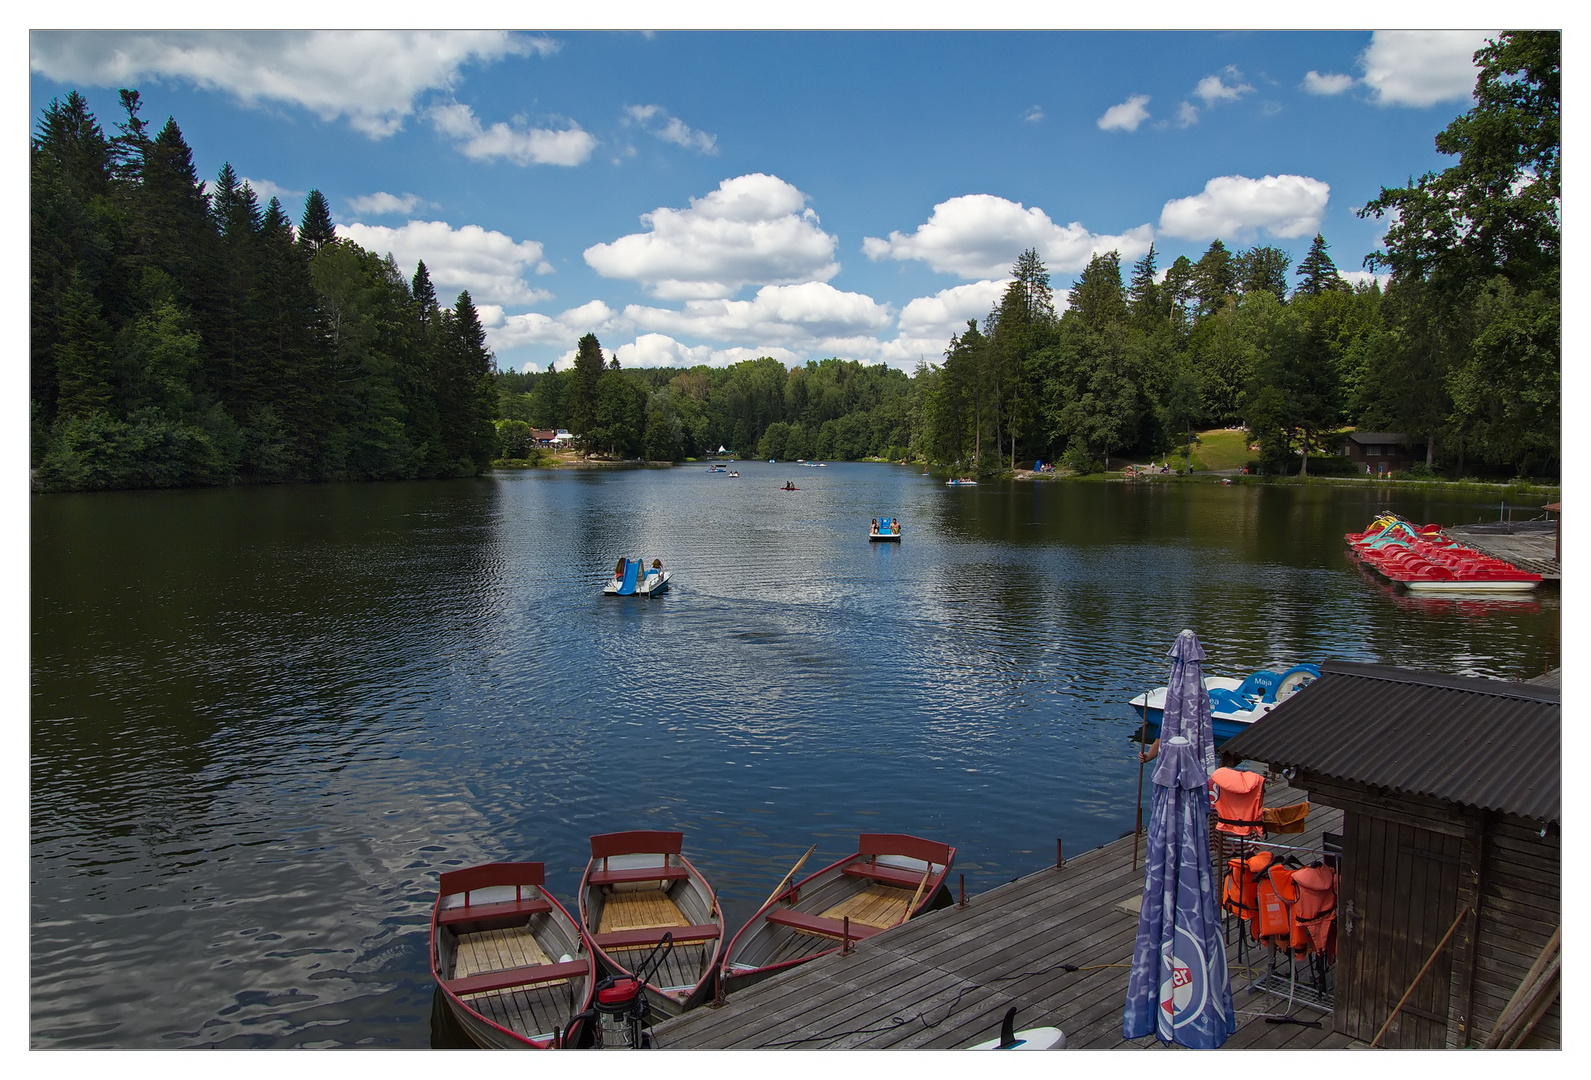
(887, 875)
(651, 935)
(631, 874)
(519, 976)
(476, 912)
(820, 926)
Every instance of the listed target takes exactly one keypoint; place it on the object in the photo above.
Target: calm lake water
(264, 720)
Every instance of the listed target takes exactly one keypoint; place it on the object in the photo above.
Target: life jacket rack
(1285, 928)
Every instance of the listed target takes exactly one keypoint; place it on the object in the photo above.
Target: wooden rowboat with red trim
(510, 960)
(637, 888)
(891, 878)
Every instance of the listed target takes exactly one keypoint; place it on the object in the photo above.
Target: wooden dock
(1057, 944)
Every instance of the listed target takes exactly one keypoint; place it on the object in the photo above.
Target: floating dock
(1057, 944)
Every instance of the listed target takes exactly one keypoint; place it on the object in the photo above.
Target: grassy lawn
(1216, 449)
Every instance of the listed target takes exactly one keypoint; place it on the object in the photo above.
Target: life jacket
(1236, 797)
(1238, 895)
(1315, 914)
(1276, 895)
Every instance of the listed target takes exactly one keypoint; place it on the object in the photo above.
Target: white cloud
(489, 264)
(799, 315)
(1232, 207)
(265, 191)
(1421, 67)
(1326, 85)
(381, 203)
(521, 145)
(947, 311)
(1213, 89)
(532, 328)
(1034, 115)
(1126, 116)
(369, 76)
(753, 230)
(981, 236)
(660, 350)
(656, 120)
(1187, 114)
(1363, 277)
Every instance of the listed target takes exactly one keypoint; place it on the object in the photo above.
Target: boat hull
(625, 910)
(884, 538)
(509, 960)
(891, 878)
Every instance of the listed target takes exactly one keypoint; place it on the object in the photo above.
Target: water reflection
(264, 720)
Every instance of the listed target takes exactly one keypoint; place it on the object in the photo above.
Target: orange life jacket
(1316, 911)
(1276, 895)
(1238, 895)
(1236, 797)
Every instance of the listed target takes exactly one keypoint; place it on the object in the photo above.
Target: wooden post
(1059, 860)
(963, 901)
(845, 930)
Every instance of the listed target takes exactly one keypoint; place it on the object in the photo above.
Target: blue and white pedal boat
(1234, 703)
(637, 580)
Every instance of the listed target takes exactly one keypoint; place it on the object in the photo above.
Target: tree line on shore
(182, 335)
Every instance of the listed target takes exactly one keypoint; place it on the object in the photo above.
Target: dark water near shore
(263, 720)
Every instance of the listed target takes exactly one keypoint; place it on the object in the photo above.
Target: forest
(183, 335)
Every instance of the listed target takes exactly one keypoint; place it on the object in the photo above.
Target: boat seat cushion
(505, 909)
(651, 935)
(520, 976)
(820, 926)
(629, 875)
(889, 875)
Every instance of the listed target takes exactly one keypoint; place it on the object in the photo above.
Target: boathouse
(1377, 451)
(1451, 848)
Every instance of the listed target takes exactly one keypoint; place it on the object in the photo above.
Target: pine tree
(1318, 271)
(83, 358)
(1263, 269)
(588, 370)
(424, 294)
(1214, 278)
(315, 229)
(1145, 302)
(1097, 295)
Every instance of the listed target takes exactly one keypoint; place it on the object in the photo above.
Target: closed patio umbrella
(1178, 987)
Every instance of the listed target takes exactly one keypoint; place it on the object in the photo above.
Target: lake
(263, 720)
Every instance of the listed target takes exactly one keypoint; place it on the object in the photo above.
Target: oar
(786, 880)
(913, 905)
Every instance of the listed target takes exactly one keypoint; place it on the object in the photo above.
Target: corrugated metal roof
(1478, 742)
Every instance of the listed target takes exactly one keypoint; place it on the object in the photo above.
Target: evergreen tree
(1214, 278)
(315, 229)
(1178, 290)
(83, 359)
(424, 294)
(1145, 302)
(1319, 273)
(587, 371)
(1097, 297)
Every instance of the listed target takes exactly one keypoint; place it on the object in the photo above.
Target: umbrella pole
(1138, 816)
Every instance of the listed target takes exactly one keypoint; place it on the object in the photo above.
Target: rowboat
(1234, 703)
(965, 481)
(512, 964)
(637, 579)
(637, 888)
(891, 878)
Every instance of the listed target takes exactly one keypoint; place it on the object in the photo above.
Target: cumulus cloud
(1326, 85)
(807, 314)
(660, 350)
(671, 129)
(1421, 67)
(520, 144)
(981, 236)
(754, 230)
(372, 77)
(533, 328)
(1187, 114)
(381, 203)
(1213, 89)
(1363, 277)
(1126, 116)
(265, 191)
(491, 265)
(1034, 115)
(1234, 207)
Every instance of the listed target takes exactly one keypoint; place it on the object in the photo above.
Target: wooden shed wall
(1409, 865)
(1521, 905)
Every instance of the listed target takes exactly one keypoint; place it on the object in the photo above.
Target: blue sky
(708, 197)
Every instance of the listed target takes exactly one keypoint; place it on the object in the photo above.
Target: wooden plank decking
(1056, 944)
